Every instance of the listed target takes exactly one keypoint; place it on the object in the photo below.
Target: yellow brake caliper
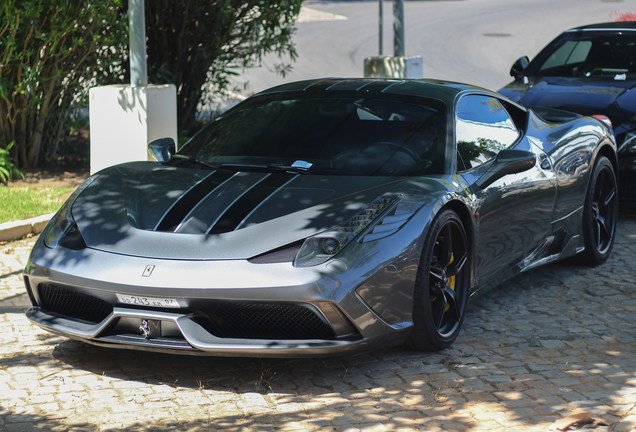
(451, 279)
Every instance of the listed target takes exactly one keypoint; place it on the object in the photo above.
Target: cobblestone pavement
(549, 345)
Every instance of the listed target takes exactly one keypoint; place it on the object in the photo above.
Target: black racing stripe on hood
(186, 202)
(235, 214)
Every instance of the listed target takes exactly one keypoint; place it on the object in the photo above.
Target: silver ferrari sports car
(325, 217)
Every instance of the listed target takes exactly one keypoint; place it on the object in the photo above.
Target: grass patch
(23, 202)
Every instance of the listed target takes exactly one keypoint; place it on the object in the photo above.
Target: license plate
(148, 301)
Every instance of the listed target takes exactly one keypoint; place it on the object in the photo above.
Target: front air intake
(243, 320)
(73, 303)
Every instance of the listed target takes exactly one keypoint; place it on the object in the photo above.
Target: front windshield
(328, 135)
(590, 55)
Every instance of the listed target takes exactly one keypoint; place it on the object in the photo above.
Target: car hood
(156, 211)
(616, 99)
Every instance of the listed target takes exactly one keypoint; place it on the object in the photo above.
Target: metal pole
(137, 36)
(399, 46)
(380, 29)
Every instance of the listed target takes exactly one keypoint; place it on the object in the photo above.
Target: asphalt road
(473, 41)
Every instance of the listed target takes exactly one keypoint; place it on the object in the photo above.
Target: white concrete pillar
(124, 119)
(394, 67)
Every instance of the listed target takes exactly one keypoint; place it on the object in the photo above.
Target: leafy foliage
(51, 51)
(483, 149)
(8, 170)
(199, 44)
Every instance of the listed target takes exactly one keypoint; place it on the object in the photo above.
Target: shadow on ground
(533, 350)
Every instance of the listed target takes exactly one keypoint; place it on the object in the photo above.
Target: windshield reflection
(328, 135)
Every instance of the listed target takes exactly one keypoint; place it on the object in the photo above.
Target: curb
(10, 231)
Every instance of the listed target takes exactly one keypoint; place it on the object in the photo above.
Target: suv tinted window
(571, 52)
(483, 127)
(591, 54)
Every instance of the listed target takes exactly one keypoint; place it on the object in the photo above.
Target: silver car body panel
(202, 238)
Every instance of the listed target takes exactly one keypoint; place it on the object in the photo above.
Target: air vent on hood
(283, 254)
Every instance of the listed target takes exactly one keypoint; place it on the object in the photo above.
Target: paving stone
(525, 359)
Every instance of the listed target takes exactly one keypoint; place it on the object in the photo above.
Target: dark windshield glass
(588, 55)
(344, 136)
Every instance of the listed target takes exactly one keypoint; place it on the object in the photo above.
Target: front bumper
(292, 312)
(182, 334)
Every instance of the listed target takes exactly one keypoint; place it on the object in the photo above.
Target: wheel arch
(606, 149)
(466, 217)
(604, 212)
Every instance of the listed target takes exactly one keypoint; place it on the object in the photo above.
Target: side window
(483, 127)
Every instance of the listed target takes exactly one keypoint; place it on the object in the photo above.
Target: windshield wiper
(300, 167)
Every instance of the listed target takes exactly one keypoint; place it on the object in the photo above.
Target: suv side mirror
(161, 149)
(507, 162)
(519, 66)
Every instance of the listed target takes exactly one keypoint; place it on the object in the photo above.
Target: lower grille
(227, 319)
(264, 321)
(73, 303)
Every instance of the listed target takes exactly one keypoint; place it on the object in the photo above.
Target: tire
(442, 284)
(599, 214)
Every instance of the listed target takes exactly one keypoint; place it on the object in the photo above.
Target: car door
(513, 214)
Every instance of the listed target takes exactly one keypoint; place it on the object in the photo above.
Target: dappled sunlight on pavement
(553, 348)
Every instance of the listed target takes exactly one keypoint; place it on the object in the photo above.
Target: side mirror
(519, 66)
(161, 149)
(507, 162)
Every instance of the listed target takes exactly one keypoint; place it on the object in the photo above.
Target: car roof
(608, 26)
(443, 90)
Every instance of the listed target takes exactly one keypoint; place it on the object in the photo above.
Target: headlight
(62, 225)
(321, 247)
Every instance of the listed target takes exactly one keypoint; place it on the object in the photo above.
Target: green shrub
(200, 45)
(8, 170)
(51, 52)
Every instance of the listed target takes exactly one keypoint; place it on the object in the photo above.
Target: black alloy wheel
(442, 284)
(600, 213)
